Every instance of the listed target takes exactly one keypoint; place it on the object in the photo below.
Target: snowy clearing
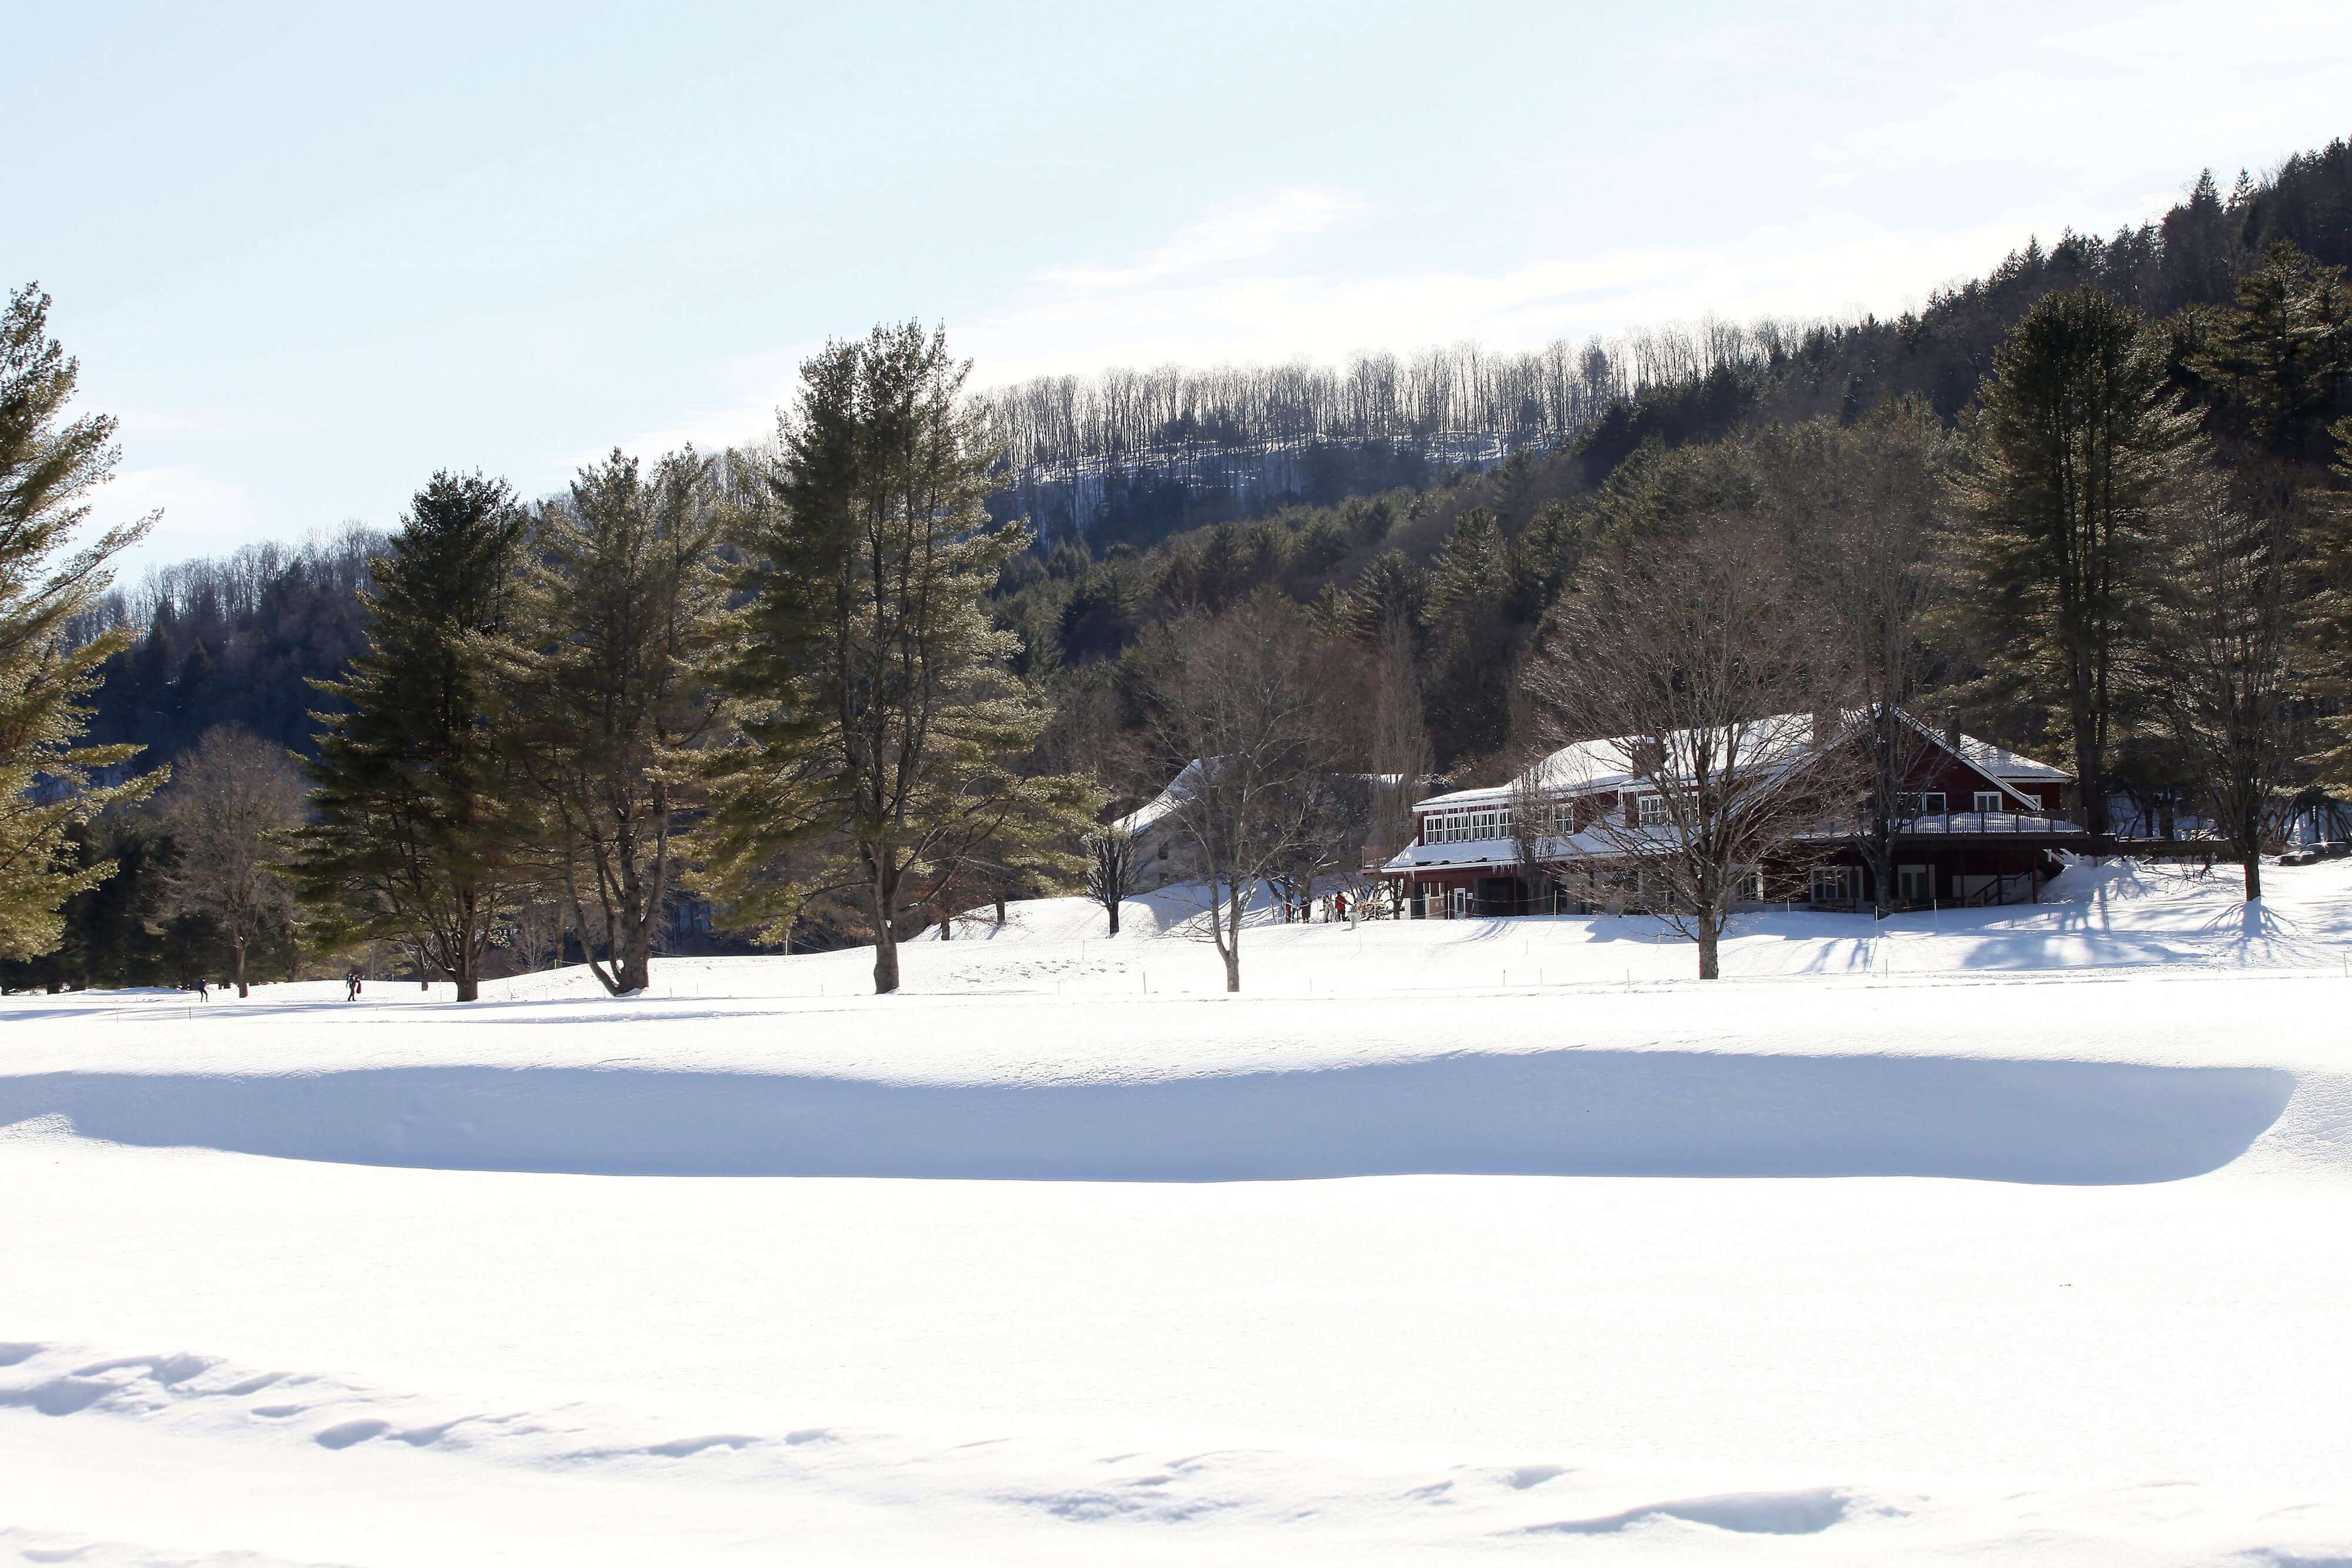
(727, 1271)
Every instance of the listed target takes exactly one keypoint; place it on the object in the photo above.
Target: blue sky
(308, 255)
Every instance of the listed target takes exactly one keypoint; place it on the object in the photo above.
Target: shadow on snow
(1561, 1112)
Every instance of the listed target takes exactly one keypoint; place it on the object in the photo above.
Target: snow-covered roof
(1587, 766)
(1188, 779)
(2008, 766)
(1179, 789)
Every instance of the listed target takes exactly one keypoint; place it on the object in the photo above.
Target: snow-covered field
(2015, 1235)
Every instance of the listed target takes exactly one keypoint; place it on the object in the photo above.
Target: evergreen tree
(422, 831)
(2073, 453)
(610, 690)
(2276, 362)
(884, 737)
(48, 466)
(2328, 644)
(1473, 638)
(1389, 594)
(2221, 668)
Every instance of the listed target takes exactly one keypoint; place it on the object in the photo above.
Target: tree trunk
(2087, 760)
(243, 992)
(1235, 908)
(1000, 911)
(2253, 860)
(1112, 905)
(1710, 932)
(1878, 859)
(886, 934)
(632, 965)
(469, 979)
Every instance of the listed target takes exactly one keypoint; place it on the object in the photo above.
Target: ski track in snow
(1274, 1282)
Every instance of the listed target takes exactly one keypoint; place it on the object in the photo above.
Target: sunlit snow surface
(2015, 1235)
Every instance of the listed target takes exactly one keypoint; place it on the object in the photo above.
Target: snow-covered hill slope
(559, 1278)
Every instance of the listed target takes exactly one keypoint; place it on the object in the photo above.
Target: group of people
(1333, 908)
(203, 988)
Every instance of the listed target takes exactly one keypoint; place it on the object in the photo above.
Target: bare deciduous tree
(1685, 673)
(1534, 811)
(232, 803)
(1110, 869)
(1864, 506)
(1401, 756)
(1245, 696)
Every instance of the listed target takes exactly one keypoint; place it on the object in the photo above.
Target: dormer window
(1651, 810)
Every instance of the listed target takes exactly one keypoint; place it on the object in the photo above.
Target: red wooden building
(1977, 824)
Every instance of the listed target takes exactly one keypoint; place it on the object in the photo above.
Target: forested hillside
(235, 640)
(1472, 560)
(1130, 456)
(1153, 490)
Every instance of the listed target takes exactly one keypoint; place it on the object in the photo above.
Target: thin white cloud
(754, 387)
(1291, 307)
(1244, 230)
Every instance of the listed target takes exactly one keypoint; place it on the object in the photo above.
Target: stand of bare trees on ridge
(1243, 437)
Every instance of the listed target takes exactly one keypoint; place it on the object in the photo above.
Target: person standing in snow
(351, 987)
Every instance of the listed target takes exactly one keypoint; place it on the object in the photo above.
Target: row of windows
(1559, 815)
(1467, 827)
(1934, 802)
(1495, 821)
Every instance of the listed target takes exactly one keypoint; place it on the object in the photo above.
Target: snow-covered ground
(2023, 1235)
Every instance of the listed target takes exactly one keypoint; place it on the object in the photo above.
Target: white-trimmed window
(1651, 810)
(1923, 804)
(1989, 801)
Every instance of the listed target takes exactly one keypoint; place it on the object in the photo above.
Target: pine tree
(2327, 665)
(2221, 668)
(2073, 453)
(609, 691)
(883, 738)
(422, 832)
(48, 466)
(1473, 639)
(2276, 360)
